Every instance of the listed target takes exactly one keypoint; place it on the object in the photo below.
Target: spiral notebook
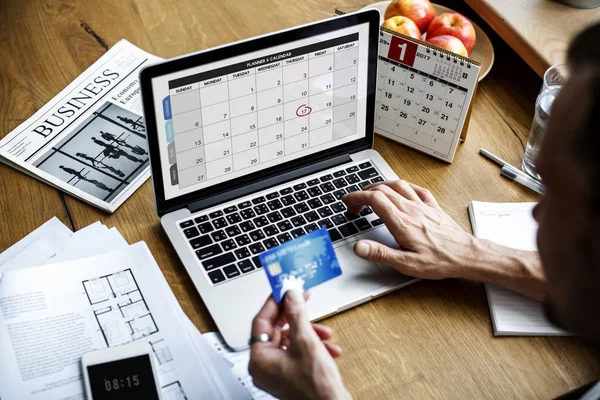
(424, 94)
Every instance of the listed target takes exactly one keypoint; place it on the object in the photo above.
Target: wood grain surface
(430, 340)
(539, 30)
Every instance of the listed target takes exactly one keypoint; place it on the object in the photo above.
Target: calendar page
(423, 95)
(238, 116)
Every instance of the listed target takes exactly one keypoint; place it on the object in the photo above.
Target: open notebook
(511, 225)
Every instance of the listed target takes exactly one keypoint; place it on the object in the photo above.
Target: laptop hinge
(267, 183)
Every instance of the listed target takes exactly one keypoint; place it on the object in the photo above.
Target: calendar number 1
(402, 51)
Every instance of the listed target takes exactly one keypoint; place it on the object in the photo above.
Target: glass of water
(554, 79)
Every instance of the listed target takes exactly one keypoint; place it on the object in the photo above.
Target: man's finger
(402, 261)
(282, 319)
(404, 189)
(425, 195)
(266, 317)
(334, 350)
(297, 316)
(324, 332)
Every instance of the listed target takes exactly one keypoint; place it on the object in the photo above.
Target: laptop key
(215, 214)
(218, 236)
(245, 266)
(206, 227)
(247, 214)
(364, 165)
(325, 223)
(256, 262)
(326, 178)
(257, 235)
(325, 212)
(216, 276)
(298, 221)
(271, 230)
(258, 200)
(313, 182)
(301, 196)
(228, 244)
(352, 179)
(327, 199)
(231, 271)
(362, 224)
(200, 242)
(243, 240)
(297, 232)
(284, 225)
(273, 195)
(270, 243)
(219, 223)
(339, 219)
(284, 237)
(288, 212)
(274, 216)
(261, 221)
(352, 169)
(338, 207)
(327, 187)
(288, 200)
(275, 204)
(351, 217)
(334, 234)
(339, 173)
(186, 224)
(244, 204)
(209, 251)
(234, 218)
(247, 226)
(200, 219)
(314, 191)
(377, 222)
(242, 253)
(366, 211)
(340, 183)
(218, 261)
(230, 209)
(311, 216)
(348, 229)
(256, 248)
(300, 186)
(352, 188)
(191, 232)
(364, 184)
(261, 209)
(338, 194)
(311, 227)
(301, 208)
(367, 174)
(285, 191)
(314, 203)
(377, 179)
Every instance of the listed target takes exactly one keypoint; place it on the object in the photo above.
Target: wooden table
(431, 340)
(539, 30)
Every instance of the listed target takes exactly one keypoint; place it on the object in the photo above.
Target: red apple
(453, 24)
(449, 43)
(420, 11)
(403, 25)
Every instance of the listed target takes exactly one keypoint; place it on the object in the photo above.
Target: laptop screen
(240, 115)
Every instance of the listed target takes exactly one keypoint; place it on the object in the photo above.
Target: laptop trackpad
(359, 278)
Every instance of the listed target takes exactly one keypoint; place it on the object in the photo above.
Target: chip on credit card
(301, 264)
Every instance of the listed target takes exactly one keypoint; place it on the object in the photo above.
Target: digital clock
(124, 372)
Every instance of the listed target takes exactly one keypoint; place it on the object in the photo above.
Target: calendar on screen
(423, 94)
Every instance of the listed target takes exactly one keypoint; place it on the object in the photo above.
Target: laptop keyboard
(227, 242)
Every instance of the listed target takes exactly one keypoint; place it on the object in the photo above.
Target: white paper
(240, 360)
(511, 225)
(54, 301)
(90, 139)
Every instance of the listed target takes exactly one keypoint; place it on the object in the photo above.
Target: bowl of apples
(439, 26)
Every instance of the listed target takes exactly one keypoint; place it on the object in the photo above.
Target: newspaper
(90, 139)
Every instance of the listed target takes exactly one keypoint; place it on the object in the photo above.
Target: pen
(493, 157)
(514, 174)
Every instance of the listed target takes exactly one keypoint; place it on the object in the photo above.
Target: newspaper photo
(89, 140)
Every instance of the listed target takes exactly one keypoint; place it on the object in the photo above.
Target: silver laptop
(253, 144)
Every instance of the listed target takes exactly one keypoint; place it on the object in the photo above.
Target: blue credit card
(301, 263)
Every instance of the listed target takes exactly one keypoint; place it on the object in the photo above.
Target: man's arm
(434, 246)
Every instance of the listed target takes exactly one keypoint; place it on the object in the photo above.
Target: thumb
(297, 316)
(373, 251)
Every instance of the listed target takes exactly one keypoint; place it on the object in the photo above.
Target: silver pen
(514, 174)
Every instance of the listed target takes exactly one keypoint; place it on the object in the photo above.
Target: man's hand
(298, 362)
(432, 245)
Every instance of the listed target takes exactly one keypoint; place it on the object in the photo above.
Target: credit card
(301, 264)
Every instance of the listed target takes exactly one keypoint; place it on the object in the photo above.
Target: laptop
(253, 144)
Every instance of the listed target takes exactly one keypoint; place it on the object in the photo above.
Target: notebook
(511, 225)
(424, 94)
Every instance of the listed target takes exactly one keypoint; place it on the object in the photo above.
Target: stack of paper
(63, 294)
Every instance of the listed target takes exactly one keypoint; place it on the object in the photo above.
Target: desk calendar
(424, 94)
